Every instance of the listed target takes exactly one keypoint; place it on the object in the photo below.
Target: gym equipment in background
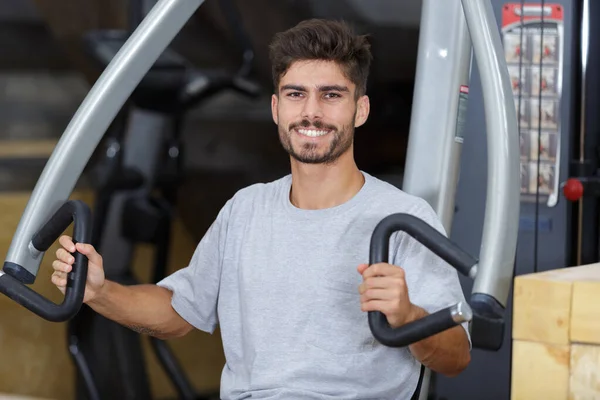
(137, 180)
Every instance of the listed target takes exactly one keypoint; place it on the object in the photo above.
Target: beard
(309, 153)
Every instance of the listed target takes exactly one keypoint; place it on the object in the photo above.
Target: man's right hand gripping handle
(64, 263)
(144, 308)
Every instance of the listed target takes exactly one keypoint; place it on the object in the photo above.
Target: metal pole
(433, 155)
(439, 107)
(501, 223)
(585, 40)
(441, 87)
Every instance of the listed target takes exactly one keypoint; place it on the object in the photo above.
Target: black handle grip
(416, 330)
(441, 246)
(71, 211)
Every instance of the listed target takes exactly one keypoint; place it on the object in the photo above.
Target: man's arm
(447, 352)
(143, 308)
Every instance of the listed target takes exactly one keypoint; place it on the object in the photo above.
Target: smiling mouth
(312, 132)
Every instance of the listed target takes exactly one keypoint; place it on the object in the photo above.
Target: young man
(283, 270)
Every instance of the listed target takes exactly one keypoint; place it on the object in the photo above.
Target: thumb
(362, 268)
(88, 250)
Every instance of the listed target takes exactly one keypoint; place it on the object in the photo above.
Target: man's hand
(64, 264)
(384, 289)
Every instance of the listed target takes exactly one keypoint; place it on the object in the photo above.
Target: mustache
(308, 124)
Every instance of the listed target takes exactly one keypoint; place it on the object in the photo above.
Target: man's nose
(312, 108)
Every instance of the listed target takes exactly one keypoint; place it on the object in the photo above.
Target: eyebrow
(325, 88)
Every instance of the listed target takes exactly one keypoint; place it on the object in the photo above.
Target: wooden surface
(585, 312)
(27, 148)
(539, 371)
(585, 372)
(35, 361)
(556, 335)
(541, 311)
(558, 306)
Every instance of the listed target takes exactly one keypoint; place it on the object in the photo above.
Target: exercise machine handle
(72, 211)
(92, 119)
(420, 329)
(444, 248)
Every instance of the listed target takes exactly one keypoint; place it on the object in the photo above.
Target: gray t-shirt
(282, 284)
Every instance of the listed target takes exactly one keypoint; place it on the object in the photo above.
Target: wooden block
(556, 334)
(585, 312)
(585, 372)
(558, 306)
(539, 371)
(541, 310)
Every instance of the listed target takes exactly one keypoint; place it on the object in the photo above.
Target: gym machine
(441, 84)
(136, 180)
(453, 34)
(558, 130)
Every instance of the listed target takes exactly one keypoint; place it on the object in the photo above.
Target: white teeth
(312, 132)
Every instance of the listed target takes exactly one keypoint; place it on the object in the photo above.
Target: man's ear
(274, 101)
(363, 107)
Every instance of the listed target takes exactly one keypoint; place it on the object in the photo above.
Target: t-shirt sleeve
(432, 283)
(196, 287)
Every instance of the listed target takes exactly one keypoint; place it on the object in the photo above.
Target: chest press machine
(451, 31)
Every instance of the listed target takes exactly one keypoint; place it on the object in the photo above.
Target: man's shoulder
(390, 199)
(393, 198)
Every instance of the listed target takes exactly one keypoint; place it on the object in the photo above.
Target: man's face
(316, 112)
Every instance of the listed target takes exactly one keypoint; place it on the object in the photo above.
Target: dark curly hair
(321, 39)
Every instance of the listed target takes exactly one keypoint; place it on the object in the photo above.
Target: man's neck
(316, 186)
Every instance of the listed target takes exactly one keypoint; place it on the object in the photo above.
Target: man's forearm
(143, 308)
(446, 353)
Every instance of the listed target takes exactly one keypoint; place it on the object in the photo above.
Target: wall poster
(533, 47)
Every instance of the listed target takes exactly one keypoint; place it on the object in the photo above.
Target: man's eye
(294, 94)
(332, 95)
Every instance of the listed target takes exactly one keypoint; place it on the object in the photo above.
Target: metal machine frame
(451, 32)
(443, 74)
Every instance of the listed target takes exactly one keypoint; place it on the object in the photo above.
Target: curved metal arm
(71, 211)
(501, 224)
(444, 248)
(91, 121)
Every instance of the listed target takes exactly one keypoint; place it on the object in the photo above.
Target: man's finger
(382, 269)
(64, 256)
(66, 242)
(385, 282)
(59, 274)
(89, 251)
(378, 294)
(60, 266)
(361, 268)
(380, 282)
(58, 280)
(383, 306)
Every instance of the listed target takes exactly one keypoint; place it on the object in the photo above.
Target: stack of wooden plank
(556, 335)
